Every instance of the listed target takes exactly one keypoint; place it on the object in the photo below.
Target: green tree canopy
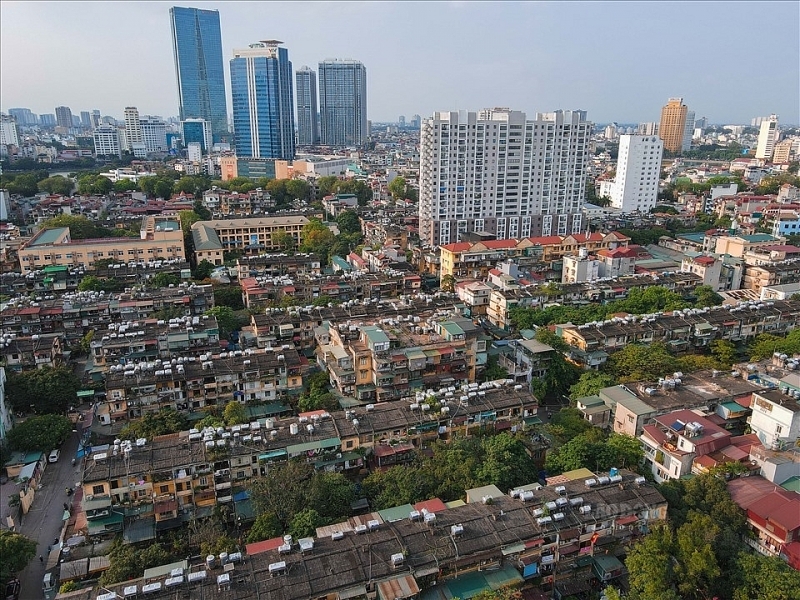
(203, 270)
(226, 320)
(165, 421)
(317, 238)
(348, 222)
(305, 523)
(590, 383)
(57, 184)
(284, 240)
(162, 280)
(235, 413)
(129, 562)
(92, 283)
(91, 184)
(48, 390)
(637, 362)
(17, 551)
(125, 185)
(42, 432)
(266, 526)
(228, 295)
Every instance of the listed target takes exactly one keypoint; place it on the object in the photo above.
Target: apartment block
(773, 517)
(635, 187)
(498, 172)
(681, 330)
(250, 235)
(160, 239)
(672, 126)
(195, 382)
(385, 361)
(223, 203)
(496, 543)
(465, 260)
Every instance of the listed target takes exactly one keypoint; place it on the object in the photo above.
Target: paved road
(43, 522)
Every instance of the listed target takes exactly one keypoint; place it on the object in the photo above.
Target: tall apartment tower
(767, 136)
(638, 168)
(24, 116)
(106, 141)
(497, 171)
(133, 125)
(199, 68)
(688, 131)
(307, 124)
(673, 124)
(343, 102)
(263, 102)
(63, 117)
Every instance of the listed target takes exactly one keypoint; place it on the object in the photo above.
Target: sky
(620, 61)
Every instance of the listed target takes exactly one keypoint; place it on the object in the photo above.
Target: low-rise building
(248, 235)
(681, 330)
(400, 551)
(773, 517)
(776, 414)
(223, 203)
(195, 382)
(160, 239)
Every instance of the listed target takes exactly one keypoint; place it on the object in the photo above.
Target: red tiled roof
(780, 507)
(460, 247)
(704, 260)
(550, 240)
(747, 490)
(433, 505)
(500, 244)
(265, 546)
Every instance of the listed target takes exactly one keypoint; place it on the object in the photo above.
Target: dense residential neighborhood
(291, 352)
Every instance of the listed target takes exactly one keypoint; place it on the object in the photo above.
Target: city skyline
(614, 77)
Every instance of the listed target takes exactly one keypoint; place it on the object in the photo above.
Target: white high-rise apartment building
(767, 137)
(688, 131)
(133, 126)
(106, 141)
(154, 135)
(9, 135)
(635, 186)
(498, 172)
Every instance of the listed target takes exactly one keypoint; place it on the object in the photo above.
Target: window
(362, 361)
(163, 489)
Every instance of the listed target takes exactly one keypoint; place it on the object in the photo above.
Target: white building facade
(106, 141)
(635, 186)
(767, 138)
(9, 136)
(497, 171)
(154, 135)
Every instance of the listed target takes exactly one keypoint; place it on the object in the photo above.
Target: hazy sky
(730, 61)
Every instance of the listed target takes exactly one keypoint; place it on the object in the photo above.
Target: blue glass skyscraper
(263, 101)
(197, 46)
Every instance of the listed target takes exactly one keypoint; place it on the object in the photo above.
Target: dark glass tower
(307, 128)
(263, 101)
(197, 46)
(343, 102)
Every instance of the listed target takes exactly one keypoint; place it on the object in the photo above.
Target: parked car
(54, 456)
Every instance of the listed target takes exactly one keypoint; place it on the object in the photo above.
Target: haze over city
(616, 61)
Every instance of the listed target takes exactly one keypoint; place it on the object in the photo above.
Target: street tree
(589, 384)
(42, 432)
(44, 391)
(17, 551)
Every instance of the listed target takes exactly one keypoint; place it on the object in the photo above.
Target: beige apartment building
(250, 235)
(673, 123)
(160, 239)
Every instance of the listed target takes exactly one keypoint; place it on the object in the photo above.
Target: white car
(54, 456)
